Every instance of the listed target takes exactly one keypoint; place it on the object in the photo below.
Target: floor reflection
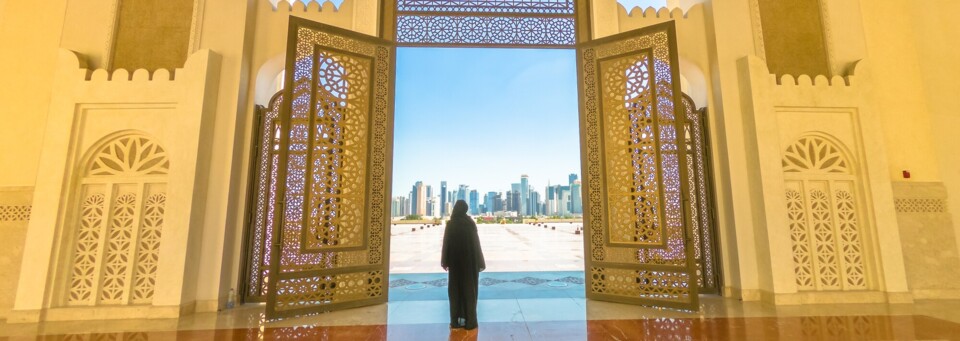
(910, 327)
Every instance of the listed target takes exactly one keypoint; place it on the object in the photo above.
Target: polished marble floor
(516, 304)
(758, 328)
(556, 318)
(506, 248)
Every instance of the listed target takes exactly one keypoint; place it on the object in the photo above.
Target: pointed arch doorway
(325, 241)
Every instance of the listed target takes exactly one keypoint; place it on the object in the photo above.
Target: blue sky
(483, 117)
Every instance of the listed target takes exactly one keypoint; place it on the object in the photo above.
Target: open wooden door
(331, 245)
(638, 242)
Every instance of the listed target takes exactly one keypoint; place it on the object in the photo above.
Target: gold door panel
(333, 174)
(635, 166)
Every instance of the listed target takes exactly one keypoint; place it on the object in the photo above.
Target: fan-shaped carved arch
(816, 154)
(129, 155)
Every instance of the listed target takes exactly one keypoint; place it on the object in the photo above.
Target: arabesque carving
(824, 216)
(14, 213)
(130, 156)
(115, 245)
(534, 23)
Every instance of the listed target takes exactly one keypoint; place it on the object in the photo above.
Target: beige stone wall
(152, 34)
(739, 202)
(793, 37)
(3, 3)
(929, 243)
(29, 36)
(14, 215)
(933, 25)
(899, 89)
(89, 28)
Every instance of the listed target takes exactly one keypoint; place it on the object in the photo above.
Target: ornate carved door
(331, 246)
(638, 242)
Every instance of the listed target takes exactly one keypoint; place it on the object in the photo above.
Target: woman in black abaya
(463, 259)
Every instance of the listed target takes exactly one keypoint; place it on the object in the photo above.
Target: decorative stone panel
(825, 223)
(920, 205)
(10, 213)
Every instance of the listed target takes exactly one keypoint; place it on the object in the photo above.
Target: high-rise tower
(524, 195)
(443, 198)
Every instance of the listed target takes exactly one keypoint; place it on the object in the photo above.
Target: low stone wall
(15, 207)
(929, 245)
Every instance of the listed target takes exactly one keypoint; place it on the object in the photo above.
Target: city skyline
(522, 199)
(513, 111)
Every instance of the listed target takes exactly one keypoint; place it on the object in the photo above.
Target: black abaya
(463, 258)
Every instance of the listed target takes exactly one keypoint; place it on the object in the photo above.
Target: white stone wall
(90, 108)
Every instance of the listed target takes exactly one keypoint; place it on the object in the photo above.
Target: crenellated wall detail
(637, 17)
(138, 75)
(819, 81)
(300, 6)
(651, 12)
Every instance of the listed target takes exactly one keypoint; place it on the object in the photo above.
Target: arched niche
(112, 237)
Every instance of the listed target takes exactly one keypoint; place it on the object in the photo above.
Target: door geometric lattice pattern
(517, 23)
(635, 166)
(701, 199)
(330, 238)
(823, 214)
(119, 217)
(263, 212)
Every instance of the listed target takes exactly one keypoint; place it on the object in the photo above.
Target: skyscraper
(563, 200)
(524, 195)
(534, 205)
(430, 199)
(412, 204)
(400, 206)
(514, 206)
(490, 202)
(550, 202)
(463, 192)
(474, 202)
(576, 201)
(396, 207)
(418, 199)
(443, 198)
(572, 177)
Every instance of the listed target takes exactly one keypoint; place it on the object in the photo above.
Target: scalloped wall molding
(659, 13)
(310, 5)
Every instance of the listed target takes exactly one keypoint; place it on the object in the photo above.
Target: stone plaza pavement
(506, 247)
